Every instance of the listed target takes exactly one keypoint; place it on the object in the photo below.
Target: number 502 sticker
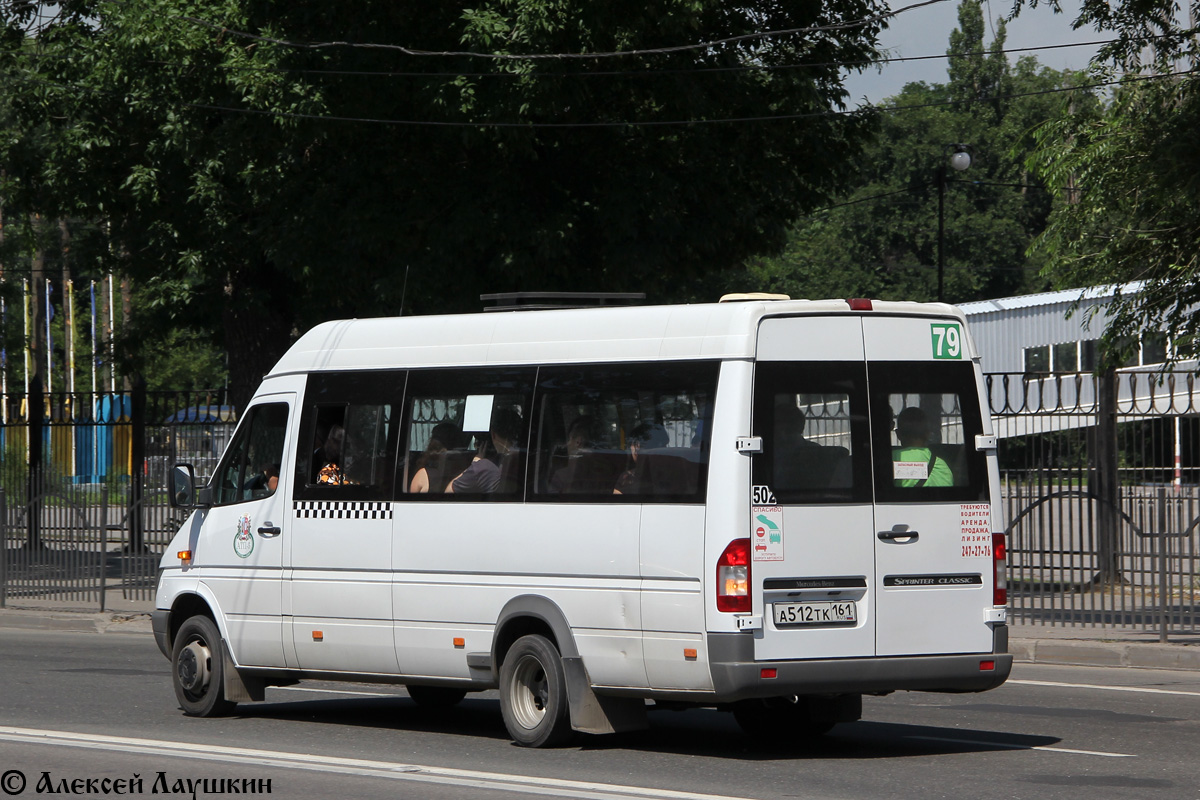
(947, 340)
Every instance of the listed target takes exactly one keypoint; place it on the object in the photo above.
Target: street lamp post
(959, 159)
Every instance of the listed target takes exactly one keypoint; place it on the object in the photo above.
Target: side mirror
(182, 487)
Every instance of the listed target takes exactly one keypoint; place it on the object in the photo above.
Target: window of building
(1037, 359)
(1065, 357)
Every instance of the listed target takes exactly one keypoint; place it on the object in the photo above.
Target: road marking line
(1006, 746)
(1134, 689)
(556, 787)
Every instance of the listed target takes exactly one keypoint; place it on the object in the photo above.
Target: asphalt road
(75, 707)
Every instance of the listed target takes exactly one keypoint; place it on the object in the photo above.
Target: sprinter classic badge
(243, 540)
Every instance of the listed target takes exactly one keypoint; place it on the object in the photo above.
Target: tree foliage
(248, 169)
(880, 239)
(1130, 177)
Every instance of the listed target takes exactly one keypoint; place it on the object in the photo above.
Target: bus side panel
(454, 581)
(341, 586)
(728, 498)
(672, 598)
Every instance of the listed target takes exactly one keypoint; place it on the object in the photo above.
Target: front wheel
(198, 669)
(533, 693)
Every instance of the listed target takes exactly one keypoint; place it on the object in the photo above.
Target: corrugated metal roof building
(1014, 333)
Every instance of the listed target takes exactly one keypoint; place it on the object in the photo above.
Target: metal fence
(1100, 488)
(1102, 504)
(83, 511)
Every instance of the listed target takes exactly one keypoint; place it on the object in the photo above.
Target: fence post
(137, 467)
(1108, 484)
(3, 547)
(1164, 592)
(35, 404)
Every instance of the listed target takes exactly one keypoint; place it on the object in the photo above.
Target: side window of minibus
(346, 446)
(250, 469)
(623, 433)
(466, 433)
(812, 418)
(925, 418)
(349, 445)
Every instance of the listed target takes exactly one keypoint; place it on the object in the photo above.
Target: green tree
(249, 172)
(1132, 186)
(1129, 177)
(880, 238)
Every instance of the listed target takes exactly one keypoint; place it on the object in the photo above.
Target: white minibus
(765, 506)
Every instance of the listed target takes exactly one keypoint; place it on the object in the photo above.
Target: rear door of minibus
(934, 567)
(812, 527)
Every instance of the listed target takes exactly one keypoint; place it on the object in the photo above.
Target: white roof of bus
(639, 333)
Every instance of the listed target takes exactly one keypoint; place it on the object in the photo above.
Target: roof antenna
(404, 289)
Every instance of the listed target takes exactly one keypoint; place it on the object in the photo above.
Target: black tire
(198, 669)
(778, 720)
(533, 694)
(435, 696)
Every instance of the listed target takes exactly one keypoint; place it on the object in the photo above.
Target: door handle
(899, 532)
(269, 530)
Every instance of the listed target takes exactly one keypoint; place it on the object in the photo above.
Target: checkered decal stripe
(332, 509)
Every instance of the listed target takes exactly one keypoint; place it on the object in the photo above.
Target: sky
(926, 31)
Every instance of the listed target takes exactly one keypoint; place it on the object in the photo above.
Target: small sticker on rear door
(766, 540)
(975, 530)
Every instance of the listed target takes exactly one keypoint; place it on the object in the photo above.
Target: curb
(1086, 653)
(75, 621)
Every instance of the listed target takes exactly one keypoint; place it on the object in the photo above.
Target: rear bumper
(737, 676)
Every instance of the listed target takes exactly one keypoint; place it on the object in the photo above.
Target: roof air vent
(739, 297)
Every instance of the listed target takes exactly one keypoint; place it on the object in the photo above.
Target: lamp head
(960, 159)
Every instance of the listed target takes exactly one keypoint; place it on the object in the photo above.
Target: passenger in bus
(496, 458)
(914, 432)
(581, 440)
(644, 436)
(433, 471)
(332, 473)
(797, 462)
(265, 482)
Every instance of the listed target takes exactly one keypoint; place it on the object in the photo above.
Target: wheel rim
(194, 668)
(530, 692)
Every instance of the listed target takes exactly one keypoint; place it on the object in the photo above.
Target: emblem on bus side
(243, 540)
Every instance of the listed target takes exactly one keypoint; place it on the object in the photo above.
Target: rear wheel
(198, 669)
(533, 693)
(435, 696)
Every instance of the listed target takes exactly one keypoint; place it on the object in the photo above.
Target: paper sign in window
(910, 470)
(477, 416)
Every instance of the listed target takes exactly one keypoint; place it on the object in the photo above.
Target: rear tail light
(1000, 563)
(859, 303)
(733, 578)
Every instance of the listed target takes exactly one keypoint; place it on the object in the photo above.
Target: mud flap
(593, 713)
(239, 688)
